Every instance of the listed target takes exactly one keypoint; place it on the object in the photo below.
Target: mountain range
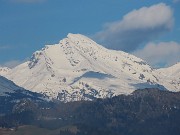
(77, 68)
(115, 93)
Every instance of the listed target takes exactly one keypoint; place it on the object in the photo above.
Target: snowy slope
(8, 89)
(170, 77)
(7, 86)
(78, 68)
(11, 95)
(4, 70)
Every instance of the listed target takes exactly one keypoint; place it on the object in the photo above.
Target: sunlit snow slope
(7, 86)
(11, 90)
(4, 71)
(170, 77)
(79, 69)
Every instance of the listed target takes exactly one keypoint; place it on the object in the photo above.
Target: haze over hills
(77, 68)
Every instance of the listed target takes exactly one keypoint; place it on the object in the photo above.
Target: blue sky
(140, 27)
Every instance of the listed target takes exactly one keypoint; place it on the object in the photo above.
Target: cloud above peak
(176, 1)
(160, 54)
(137, 27)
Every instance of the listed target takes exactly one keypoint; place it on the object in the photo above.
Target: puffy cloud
(160, 54)
(137, 27)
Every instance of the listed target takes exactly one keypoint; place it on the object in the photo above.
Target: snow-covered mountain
(11, 94)
(8, 88)
(77, 68)
(4, 70)
(170, 77)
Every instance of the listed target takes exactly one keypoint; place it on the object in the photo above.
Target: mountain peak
(72, 35)
(78, 68)
(76, 37)
(74, 52)
(79, 39)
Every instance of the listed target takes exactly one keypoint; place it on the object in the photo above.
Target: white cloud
(166, 53)
(137, 27)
